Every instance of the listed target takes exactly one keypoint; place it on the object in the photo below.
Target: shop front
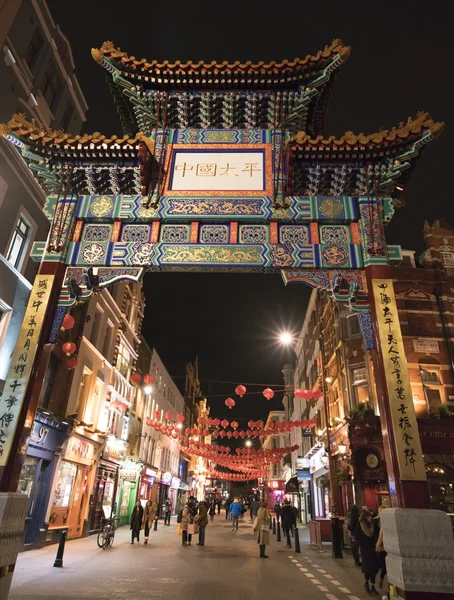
(104, 496)
(320, 483)
(276, 490)
(148, 488)
(127, 494)
(182, 496)
(44, 446)
(173, 493)
(165, 481)
(73, 481)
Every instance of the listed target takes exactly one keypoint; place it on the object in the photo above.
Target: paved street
(227, 567)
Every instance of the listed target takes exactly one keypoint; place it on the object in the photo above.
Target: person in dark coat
(352, 522)
(288, 521)
(136, 521)
(366, 536)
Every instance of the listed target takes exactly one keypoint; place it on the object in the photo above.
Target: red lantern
(318, 394)
(180, 418)
(234, 424)
(72, 362)
(187, 431)
(135, 377)
(148, 379)
(268, 393)
(157, 414)
(169, 416)
(240, 390)
(230, 403)
(225, 423)
(307, 394)
(68, 322)
(222, 433)
(69, 348)
(299, 393)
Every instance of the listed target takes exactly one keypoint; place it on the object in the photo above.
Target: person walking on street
(262, 527)
(149, 515)
(254, 509)
(186, 520)
(288, 521)
(278, 510)
(212, 511)
(219, 506)
(136, 521)
(227, 504)
(352, 522)
(235, 511)
(203, 522)
(167, 512)
(366, 536)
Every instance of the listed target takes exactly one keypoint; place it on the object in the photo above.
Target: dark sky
(401, 63)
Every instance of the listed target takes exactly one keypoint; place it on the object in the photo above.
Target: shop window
(34, 48)
(65, 480)
(18, 245)
(440, 478)
(27, 476)
(353, 324)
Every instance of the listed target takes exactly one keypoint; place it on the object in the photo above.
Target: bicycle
(107, 533)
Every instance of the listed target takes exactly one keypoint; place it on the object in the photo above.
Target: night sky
(401, 63)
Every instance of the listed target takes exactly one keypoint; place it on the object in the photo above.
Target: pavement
(227, 567)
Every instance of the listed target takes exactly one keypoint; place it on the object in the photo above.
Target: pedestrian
(187, 520)
(136, 521)
(227, 504)
(167, 512)
(203, 522)
(219, 506)
(262, 527)
(235, 511)
(380, 548)
(278, 510)
(366, 536)
(254, 508)
(149, 515)
(352, 522)
(288, 521)
(212, 511)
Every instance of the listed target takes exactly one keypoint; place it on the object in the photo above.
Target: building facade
(278, 473)
(38, 80)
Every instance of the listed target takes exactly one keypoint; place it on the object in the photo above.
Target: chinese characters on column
(21, 363)
(405, 426)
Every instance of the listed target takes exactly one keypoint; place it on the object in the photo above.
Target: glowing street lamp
(148, 389)
(248, 443)
(286, 338)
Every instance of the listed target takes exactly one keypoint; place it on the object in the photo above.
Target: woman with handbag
(149, 515)
(262, 527)
(187, 526)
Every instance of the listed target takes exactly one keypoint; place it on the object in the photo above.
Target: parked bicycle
(107, 533)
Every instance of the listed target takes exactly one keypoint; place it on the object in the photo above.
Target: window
(447, 258)
(353, 324)
(123, 360)
(67, 117)
(430, 376)
(82, 395)
(96, 326)
(360, 387)
(49, 380)
(18, 244)
(50, 87)
(33, 49)
(107, 340)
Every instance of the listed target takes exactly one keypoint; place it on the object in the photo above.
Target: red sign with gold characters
(22, 362)
(405, 426)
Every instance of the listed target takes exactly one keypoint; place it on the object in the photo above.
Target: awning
(292, 486)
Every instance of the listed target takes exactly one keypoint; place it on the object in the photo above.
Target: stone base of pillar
(13, 509)
(420, 547)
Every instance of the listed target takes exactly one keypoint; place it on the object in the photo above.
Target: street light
(248, 443)
(148, 389)
(286, 338)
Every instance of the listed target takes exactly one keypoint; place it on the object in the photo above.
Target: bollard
(155, 528)
(274, 525)
(61, 548)
(278, 539)
(297, 541)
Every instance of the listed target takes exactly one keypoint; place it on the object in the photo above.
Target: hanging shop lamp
(69, 348)
(68, 322)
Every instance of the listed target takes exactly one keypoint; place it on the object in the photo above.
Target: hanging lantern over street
(230, 402)
(268, 393)
(225, 423)
(180, 417)
(240, 390)
(72, 363)
(157, 414)
(234, 424)
(135, 377)
(148, 379)
(68, 322)
(69, 348)
(318, 394)
(299, 393)
(169, 416)
(307, 394)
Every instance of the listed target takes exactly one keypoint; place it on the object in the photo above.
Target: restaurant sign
(22, 362)
(404, 424)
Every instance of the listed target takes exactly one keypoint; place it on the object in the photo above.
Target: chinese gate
(222, 167)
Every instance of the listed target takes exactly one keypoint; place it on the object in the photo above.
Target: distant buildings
(38, 79)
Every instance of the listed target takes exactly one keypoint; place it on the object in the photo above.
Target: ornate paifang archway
(221, 168)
